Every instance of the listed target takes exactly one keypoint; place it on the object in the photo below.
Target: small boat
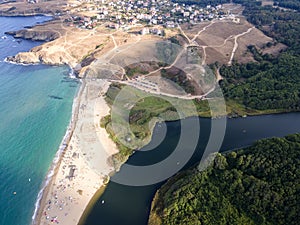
(3, 37)
(103, 202)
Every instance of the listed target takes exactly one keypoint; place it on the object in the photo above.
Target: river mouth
(130, 205)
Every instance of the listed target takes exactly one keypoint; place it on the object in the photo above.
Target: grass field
(142, 115)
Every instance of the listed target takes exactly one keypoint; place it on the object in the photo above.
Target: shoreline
(52, 172)
(73, 197)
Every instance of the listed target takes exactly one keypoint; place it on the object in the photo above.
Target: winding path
(190, 42)
(236, 45)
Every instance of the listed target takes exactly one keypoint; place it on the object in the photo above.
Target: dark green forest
(290, 4)
(269, 84)
(255, 185)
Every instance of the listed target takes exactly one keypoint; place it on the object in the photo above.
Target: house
(144, 31)
(186, 14)
(113, 26)
(170, 24)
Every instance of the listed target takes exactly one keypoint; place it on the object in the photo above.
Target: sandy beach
(83, 166)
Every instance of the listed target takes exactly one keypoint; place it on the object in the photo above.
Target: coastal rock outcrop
(44, 57)
(34, 35)
(23, 57)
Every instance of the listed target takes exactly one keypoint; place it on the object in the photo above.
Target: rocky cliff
(34, 35)
(43, 56)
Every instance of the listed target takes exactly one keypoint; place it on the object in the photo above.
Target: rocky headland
(34, 35)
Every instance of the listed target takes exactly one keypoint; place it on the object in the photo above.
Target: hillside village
(129, 13)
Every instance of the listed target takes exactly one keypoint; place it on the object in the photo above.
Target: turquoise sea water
(32, 123)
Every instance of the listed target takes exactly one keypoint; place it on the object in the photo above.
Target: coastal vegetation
(255, 185)
(271, 84)
(146, 112)
(140, 119)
